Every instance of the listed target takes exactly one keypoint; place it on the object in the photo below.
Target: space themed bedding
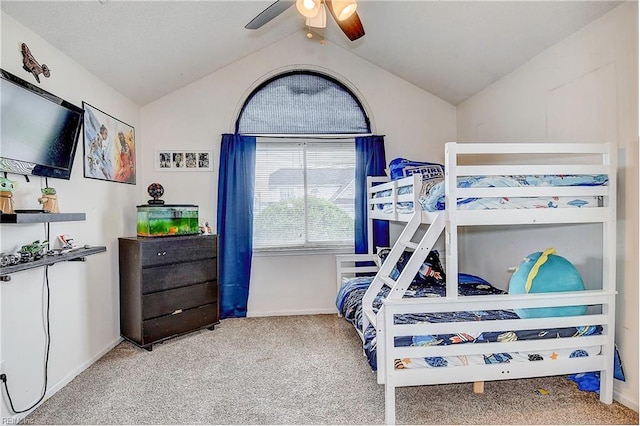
(432, 193)
(349, 304)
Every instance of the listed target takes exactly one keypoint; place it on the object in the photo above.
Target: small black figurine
(156, 191)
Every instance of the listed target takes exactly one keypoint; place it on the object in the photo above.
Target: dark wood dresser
(168, 287)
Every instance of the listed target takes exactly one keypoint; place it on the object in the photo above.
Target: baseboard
(15, 419)
(286, 313)
(622, 399)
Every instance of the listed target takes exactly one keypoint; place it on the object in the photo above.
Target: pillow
(544, 272)
(401, 167)
(382, 253)
(431, 271)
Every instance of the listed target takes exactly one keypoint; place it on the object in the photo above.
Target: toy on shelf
(8, 259)
(49, 200)
(6, 195)
(34, 251)
(66, 242)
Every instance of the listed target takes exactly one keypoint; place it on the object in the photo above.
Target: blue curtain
(236, 183)
(370, 161)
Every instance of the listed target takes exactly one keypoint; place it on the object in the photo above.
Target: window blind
(302, 102)
(304, 194)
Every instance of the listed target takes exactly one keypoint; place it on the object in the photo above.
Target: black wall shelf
(41, 217)
(74, 255)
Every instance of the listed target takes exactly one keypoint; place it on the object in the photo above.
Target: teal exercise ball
(545, 272)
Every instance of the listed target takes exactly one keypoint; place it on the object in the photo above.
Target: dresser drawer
(166, 277)
(177, 249)
(179, 299)
(172, 325)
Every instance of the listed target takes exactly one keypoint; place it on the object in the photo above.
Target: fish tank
(167, 220)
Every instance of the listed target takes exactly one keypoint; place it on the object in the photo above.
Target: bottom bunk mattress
(349, 304)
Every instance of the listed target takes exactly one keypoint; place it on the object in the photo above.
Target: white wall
(416, 125)
(584, 88)
(84, 296)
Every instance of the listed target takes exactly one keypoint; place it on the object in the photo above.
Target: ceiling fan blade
(269, 13)
(351, 27)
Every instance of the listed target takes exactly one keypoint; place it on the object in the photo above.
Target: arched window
(302, 102)
(306, 123)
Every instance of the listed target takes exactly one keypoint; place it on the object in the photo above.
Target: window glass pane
(330, 181)
(304, 194)
(279, 196)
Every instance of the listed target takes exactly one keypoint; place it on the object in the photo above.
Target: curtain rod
(320, 137)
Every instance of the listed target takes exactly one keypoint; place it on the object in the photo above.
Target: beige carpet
(294, 370)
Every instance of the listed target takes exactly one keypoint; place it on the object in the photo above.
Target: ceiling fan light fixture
(318, 21)
(308, 8)
(343, 9)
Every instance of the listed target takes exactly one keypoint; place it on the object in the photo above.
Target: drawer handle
(177, 311)
(162, 254)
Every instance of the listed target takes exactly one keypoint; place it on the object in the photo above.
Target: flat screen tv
(38, 130)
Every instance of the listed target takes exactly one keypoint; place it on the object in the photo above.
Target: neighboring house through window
(306, 123)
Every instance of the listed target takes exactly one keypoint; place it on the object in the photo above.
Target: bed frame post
(389, 404)
(451, 229)
(610, 158)
(381, 347)
(371, 182)
(385, 363)
(369, 220)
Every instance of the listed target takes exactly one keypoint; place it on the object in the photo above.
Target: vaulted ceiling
(452, 49)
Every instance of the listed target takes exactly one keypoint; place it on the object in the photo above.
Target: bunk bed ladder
(383, 277)
(420, 251)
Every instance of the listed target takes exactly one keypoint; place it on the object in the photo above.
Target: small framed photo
(200, 160)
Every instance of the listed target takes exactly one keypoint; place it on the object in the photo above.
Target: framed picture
(200, 160)
(109, 147)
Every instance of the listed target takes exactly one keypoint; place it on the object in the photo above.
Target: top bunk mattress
(432, 197)
(432, 192)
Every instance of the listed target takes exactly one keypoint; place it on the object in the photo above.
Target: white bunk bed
(522, 159)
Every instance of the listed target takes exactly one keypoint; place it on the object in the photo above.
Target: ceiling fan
(343, 12)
